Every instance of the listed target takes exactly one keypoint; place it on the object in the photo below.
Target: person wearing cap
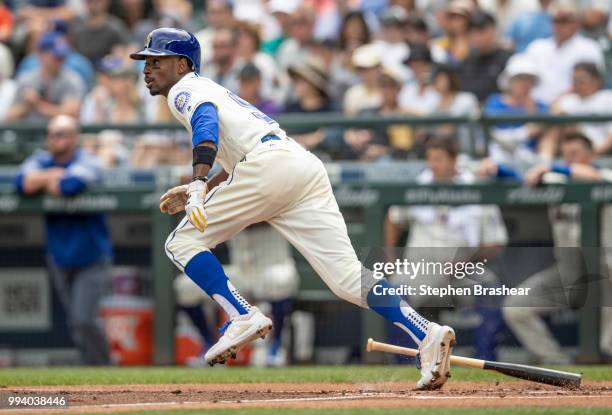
(555, 57)
(366, 94)
(310, 85)
(416, 31)
(249, 89)
(280, 11)
(589, 97)
(418, 97)
(301, 35)
(454, 46)
(370, 145)
(517, 139)
(529, 26)
(487, 59)
(392, 44)
(49, 90)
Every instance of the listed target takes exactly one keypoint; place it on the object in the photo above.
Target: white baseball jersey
(241, 125)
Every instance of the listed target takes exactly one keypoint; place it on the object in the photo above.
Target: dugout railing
(372, 198)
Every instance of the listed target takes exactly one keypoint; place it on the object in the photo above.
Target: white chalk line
(313, 399)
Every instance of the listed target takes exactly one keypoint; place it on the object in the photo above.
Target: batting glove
(196, 191)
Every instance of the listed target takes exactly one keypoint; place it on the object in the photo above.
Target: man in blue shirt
(78, 245)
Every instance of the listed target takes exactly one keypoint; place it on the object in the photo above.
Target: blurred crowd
(375, 57)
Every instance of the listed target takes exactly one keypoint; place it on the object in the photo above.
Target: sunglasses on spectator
(563, 20)
(59, 134)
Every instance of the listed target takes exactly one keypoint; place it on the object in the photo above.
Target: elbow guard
(204, 155)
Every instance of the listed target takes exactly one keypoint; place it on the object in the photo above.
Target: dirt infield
(121, 398)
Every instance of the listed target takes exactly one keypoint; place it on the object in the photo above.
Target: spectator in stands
(371, 145)
(167, 13)
(454, 46)
(6, 23)
(354, 32)
(310, 85)
(224, 67)
(281, 11)
(487, 59)
(551, 288)
(366, 94)
(471, 233)
(587, 98)
(418, 97)
(249, 80)
(79, 249)
(115, 99)
(8, 86)
(218, 15)
(248, 50)
(74, 61)
(416, 31)
(453, 102)
(555, 57)
(594, 17)
(517, 139)
(297, 46)
(95, 36)
(392, 42)
(530, 26)
(507, 11)
(49, 90)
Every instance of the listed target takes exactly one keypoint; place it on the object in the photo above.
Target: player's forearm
(34, 182)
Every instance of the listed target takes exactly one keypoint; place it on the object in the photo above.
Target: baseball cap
(481, 20)
(249, 71)
(418, 52)
(116, 67)
(284, 6)
(54, 43)
(518, 65)
(366, 56)
(394, 16)
(460, 7)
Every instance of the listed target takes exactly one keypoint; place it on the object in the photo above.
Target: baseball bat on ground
(535, 374)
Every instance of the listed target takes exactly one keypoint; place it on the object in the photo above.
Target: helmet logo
(148, 41)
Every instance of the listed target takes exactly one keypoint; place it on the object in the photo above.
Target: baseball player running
(266, 177)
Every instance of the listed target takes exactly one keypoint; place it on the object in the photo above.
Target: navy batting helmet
(167, 41)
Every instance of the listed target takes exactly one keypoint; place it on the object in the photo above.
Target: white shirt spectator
(598, 103)
(8, 88)
(358, 98)
(412, 98)
(556, 64)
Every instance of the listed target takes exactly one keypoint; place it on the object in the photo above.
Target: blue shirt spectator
(529, 27)
(76, 240)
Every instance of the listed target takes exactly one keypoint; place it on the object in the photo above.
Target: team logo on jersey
(181, 100)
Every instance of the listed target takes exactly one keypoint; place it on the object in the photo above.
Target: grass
(385, 411)
(307, 374)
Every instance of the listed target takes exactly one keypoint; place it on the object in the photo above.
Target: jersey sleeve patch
(181, 100)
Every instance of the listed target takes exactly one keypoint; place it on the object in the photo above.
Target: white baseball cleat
(237, 332)
(434, 356)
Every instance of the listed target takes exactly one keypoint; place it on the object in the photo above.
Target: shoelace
(417, 361)
(224, 327)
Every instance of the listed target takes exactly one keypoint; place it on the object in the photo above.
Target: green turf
(337, 374)
(384, 411)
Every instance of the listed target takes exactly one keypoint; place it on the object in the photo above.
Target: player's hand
(174, 200)
(533, 177)
(196, 191)
(487, 168)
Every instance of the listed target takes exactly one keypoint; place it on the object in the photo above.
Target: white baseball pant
(287, 186)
